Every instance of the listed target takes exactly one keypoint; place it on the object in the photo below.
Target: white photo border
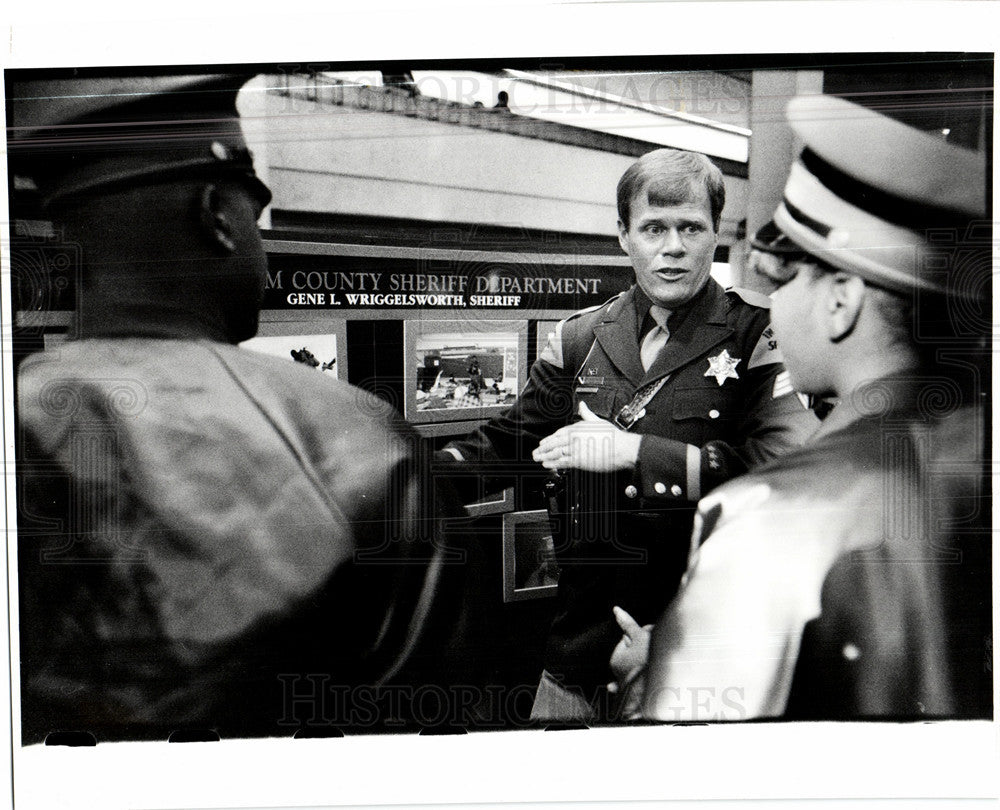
(859, 762)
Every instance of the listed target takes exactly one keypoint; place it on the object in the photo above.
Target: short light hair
(671, 177)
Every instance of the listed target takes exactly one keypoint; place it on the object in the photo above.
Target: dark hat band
(807, 221)
(913, 214)
(73, 136)
(119, 172)
(770, 239)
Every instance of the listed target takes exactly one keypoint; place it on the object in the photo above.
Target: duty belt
(635, 410)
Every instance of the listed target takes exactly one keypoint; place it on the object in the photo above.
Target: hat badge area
(723, 367)
(76, 137)
(876, 197)
(839, 238)
(220, 151)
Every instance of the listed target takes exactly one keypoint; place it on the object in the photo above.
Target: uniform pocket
(708, 404)
(599, 398)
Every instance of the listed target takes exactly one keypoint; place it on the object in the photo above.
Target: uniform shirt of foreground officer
(639, 443)
(851, 578)
(201, 526)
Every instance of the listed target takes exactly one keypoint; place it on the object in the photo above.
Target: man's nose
(672, 242)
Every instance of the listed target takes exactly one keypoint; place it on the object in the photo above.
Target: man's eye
(693, 228)
(654, 230)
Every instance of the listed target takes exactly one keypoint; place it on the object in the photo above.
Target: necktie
(656, 338)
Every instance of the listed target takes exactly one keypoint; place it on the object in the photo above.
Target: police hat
(78, 135)
(769, 239)
(875, 197)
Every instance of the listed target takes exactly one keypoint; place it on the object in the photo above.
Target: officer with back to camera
(207, 535)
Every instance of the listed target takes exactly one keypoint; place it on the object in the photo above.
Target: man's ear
(844, 302)
(215, 224)
(623, 236)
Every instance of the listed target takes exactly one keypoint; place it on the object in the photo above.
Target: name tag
(590, 379)
(587, 389)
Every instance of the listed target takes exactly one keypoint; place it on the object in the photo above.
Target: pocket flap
(700, 403)
(599, 398)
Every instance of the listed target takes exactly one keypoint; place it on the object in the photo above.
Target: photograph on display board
(317, 351)
(530, 569)
(492, 504)
(314, 342)
(461, 369)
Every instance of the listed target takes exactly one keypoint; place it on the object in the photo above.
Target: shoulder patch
(564, 343)
(553, 351)
(751, 297)
(766, 351)
(595, 308)
(719, 506)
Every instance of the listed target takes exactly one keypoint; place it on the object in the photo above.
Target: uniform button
(631, 491)
(851, 652)
(660, 487)
(713, 414)
(676, 491)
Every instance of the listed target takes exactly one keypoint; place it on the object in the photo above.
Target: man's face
(671, 247)
(797, 318)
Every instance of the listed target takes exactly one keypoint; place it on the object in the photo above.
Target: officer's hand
(630, 655)
(593, 444)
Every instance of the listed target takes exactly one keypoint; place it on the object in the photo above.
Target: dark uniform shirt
(726, 405)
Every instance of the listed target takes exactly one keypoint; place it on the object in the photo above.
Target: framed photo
(542, 331)
(462, 369)
(493, 503)
(529, 558)
(317, 343)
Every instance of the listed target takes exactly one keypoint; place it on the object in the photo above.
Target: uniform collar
(709, 302)
(694, 329)
(894, 396)
(708, 306)
(643, 313)
(642, 305)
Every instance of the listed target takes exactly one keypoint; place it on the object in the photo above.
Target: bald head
(180, 259)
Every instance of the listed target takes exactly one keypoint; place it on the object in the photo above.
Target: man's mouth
(671, 273)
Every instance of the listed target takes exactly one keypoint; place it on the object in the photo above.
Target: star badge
(722, 367)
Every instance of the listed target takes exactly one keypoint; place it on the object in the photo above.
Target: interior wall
(336, 159)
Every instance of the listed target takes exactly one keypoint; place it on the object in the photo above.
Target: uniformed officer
(196, 518)
(643, 405)
(851, 577)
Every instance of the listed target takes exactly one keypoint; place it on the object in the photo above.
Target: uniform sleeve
(407, 572)
(545, 404)
(773, 421)
(726, 647)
